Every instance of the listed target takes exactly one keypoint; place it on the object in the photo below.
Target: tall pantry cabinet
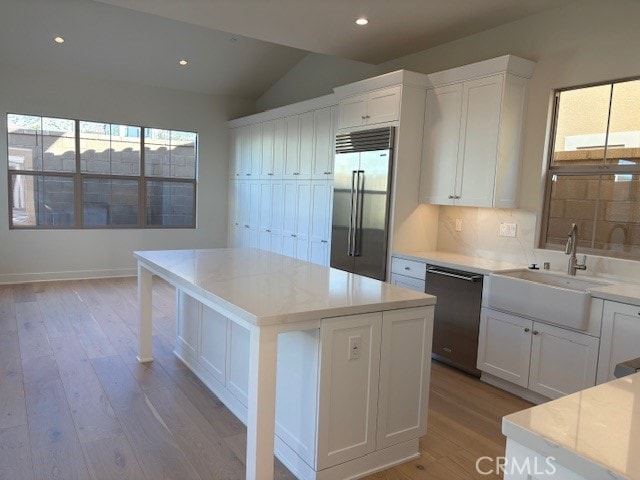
(280, 188)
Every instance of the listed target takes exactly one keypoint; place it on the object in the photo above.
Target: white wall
(48, 254)
(315, 75)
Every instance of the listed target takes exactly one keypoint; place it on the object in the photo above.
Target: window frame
(586, 170)
(78, 176)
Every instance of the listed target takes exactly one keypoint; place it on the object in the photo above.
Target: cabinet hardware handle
(457, 196)
(236, 224)
(269, 173)
(296, 173)
(368, 116)
(237, 174)
(407, 268)
(527, 330)
(293, 235)
(268, 231)
(248, 174)
(536, 332)
(363, 117)
(246, 226)
(324, 241)
(451, 197)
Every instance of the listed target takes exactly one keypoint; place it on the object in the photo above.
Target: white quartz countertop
(619, 292)
(266, 288)
(595, 432)
(460, 262)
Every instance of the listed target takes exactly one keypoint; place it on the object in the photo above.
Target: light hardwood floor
(75, 403)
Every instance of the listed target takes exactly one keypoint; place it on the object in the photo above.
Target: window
(78, 174)
(594, 170)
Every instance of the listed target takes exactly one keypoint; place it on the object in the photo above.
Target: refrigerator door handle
(351, 215)
(357, 235)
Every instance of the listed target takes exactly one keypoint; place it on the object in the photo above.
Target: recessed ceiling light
(58, 40)
(183, 62)
(362, 21)
(233, 39)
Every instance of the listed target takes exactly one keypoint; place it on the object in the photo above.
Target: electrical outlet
(355, 344)
(458, 225)
(508, 229)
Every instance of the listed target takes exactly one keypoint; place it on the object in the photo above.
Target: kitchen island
(328, 369)
(589, 435)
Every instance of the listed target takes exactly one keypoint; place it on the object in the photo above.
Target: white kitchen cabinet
(379, 106)
(235, 162)
(324, 124)
(546, 359)
(296, 218)
(472, 137)
(402, 401)
(299, 146)
(266, 155)
(212, 354)
(320, 225)
(245, 141)
(409, 274)
(620, 339)
(562, 361)
(256, 152)
(504, 346)
(332, 406)
(279, 147)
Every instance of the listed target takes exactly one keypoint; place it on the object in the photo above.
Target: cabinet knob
(407, 268)
(535, 332)
(457, 196)
(246, 226)
(527, 330)
(367, 116)
(293, 235)
(364, 117)
(451, 197)
(268, 231)
(296, 173)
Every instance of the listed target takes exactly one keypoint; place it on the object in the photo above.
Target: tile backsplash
(479, 237)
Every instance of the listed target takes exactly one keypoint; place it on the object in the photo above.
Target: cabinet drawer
(411, 283)
(409, 268)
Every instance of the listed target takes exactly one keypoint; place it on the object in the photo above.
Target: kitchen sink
(553, 298)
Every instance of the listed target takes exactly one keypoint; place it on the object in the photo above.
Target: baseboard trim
(14, 278)
(524, 393)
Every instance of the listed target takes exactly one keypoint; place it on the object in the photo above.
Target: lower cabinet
(620, 338)
(356, 385)
(549, 360)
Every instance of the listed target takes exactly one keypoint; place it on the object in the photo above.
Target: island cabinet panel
(405, 360)
(188, 323)
(350, 361)
(237, 378)
(350, 394)
(213, 343)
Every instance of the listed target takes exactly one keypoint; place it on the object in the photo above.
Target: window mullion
(77, 182)
(142, 184)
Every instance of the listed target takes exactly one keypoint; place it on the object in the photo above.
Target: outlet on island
(355, 343)
(508, 229)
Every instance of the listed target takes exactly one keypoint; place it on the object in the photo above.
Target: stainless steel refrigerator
(361, 197)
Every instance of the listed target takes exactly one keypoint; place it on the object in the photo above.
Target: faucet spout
(571, 249)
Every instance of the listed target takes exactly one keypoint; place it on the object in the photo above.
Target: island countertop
(594, 432)
(265, 288)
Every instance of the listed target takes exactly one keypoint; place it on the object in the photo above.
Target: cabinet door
(620, 339)
(277, 208)
(407, 282)
(233, 213)
(235, 163)
(323, 143)
(504, 346)
(243, 203)
(319, 234)
(245, 151)
(475, 182)
(303, 219)
(319, 252)
(348, 399)
(238, 362)
(266, 166)
(405, 363)
(256, 151)
(292, 149)
(279, 147)
(562, 361)
(188, 323)
(290, 208)
(443, 113)
(265, 206)
(352, 111)
(213, 343)
(384, 105)
(306, 151)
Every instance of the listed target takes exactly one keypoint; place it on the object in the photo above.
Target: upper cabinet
(379, 106)
(472, 134)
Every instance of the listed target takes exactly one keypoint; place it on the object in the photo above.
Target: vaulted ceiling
(234, 47)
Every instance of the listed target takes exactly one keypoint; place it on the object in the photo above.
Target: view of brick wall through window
(594, 172)
(45, 183)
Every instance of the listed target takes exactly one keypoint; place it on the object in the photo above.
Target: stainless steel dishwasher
(457, 316)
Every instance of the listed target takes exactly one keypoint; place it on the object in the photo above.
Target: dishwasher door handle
(468, 278)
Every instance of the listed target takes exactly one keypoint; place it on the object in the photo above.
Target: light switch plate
(508, 229)
(355, 344)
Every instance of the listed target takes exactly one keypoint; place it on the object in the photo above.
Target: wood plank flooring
(76, 404)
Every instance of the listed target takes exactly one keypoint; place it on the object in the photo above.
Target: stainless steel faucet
(570, 249)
